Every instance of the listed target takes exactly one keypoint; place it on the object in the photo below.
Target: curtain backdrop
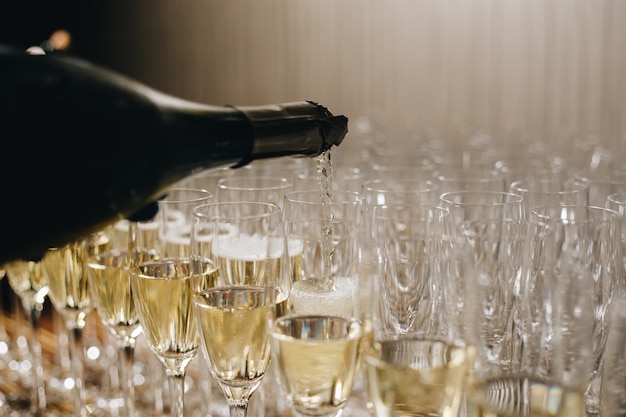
(548, 69)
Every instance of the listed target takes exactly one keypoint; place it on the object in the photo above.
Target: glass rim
(204, 212)
(521, 186)
(538, 212)
(516, 198)
(273, 183)
(313, 197)
(200, 194)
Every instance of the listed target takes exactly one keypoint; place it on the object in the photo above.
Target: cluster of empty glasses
(440, 281)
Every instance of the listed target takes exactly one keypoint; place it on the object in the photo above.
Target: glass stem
(177, 393)
(77, 358)
(127, 357)
(38, 390)
(238, 408)
(156, 385)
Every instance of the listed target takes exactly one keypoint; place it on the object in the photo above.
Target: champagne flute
(28, 281)
(464, 207)
(253, 188)
(163, 289)
(318, 359)
(70, 295)
(109, 277)
(414, 365)
(325, 318)
(408, 374)
(560, 329)
(585, 242)
(321, 237)
(403, 190)
(246, 240)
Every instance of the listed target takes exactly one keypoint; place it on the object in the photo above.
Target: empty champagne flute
(414, 366)
(464, 207)
(248, 290)
(28, 281)
(572, 269)
(70, 295)
(408, 237)
(253, 188)
(492, 280)
(402, 190)
(557, 294)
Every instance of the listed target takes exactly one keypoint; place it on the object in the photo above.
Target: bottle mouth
(335, 130)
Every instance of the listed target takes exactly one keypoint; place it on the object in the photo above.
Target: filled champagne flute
(317, 347)
(70, 295)
(410, 375)
(318, 358)
(163, 291)
(109, 275)
(250, 288)
(28, 281)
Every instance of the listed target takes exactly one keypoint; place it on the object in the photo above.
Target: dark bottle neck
(254, 132)
(299, 128)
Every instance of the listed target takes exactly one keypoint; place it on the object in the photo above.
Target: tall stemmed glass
(70, 295)
(28, 281)
(321, 246)
(163, 288)
(249, 289)
(326, 318)
(469, 206)
(411, 358)
(174, 221)
(559, 336)
(584, 242)
(109, 276)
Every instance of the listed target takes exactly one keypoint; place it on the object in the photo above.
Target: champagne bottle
(85, 146)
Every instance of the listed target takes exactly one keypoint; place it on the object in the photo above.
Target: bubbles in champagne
(247, 248)
(310, 296)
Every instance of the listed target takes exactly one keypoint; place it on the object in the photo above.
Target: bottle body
(88, 146)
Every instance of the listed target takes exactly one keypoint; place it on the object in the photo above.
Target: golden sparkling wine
(67, 278)
(234, 322)
(26, 277)
(112, 295)
(246, 260)
(317, 358)
(163, 293)
(408, 376)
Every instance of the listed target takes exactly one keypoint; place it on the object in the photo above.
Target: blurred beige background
(549, 69)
